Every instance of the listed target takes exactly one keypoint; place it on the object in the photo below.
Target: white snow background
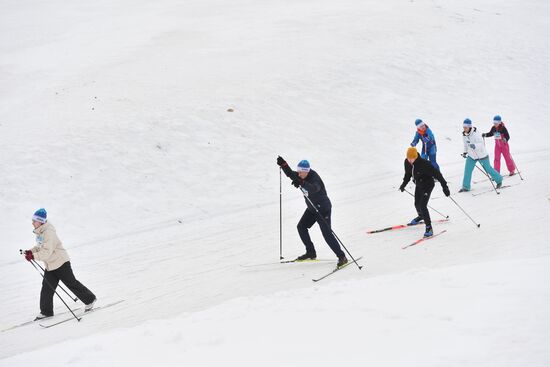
(114, 117)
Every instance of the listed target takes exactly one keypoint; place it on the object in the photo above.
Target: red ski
(424, 239)
(404, 226)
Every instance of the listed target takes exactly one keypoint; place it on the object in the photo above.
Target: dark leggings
(421, 197)
(51, 279)
(309, 218)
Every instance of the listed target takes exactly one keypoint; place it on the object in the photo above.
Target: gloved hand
(297, 182)
(483, 135)
(504, 140)
(464, 155)
(402, 187)
(424, 156)
(473, 146)
(446, 190)
(28, 255)
(281, 162)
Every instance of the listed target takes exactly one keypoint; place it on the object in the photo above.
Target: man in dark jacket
(423, 174)
(314, 188)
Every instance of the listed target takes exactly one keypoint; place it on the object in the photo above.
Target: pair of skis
(490, 179)
(36, 320)
(400, 226)
(52, 321)
(338, 268)
(424, 239)
(47, 325)
(420, 240)
(493, 190)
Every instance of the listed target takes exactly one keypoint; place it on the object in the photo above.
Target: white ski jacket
(474, 144)
(49, 248)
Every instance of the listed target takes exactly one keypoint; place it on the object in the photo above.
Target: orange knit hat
(412, 153)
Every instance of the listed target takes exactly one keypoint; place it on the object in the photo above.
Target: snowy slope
(114, 117)
(434, 318)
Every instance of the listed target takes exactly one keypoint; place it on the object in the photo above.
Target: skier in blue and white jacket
(475, 151)
(429, 147)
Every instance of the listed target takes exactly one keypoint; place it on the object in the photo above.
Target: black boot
(429, 231)
(307, 256)
(342, 260)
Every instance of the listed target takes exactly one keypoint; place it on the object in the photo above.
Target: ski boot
(463, 190)
(343, 260)
(89, 306)
(307, 256)
(415, 221)
(41, 316)
(429, 231)
(499, 185)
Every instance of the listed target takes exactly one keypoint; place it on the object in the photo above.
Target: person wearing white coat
(50, 250)
(474, 151)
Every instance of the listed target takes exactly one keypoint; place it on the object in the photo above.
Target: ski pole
(435, 210)
(477, 224)
(52, 288)
(280, 215)
(304, 192)
(515, 165)
(486, 173)
(63, 289)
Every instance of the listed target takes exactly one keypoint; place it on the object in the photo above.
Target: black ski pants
(421, 197)
(50, 282)
(309, 218)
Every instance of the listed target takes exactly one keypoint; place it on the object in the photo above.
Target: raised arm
(293, 175)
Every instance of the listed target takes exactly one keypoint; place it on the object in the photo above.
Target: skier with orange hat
(423, 174)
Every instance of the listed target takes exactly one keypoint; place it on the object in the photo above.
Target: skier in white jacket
(50, 250)
(474, 151)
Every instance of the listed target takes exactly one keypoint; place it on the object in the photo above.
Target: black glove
(483, 135)
(297, 182)
(402, 187)
(281, 162)
(446, 190)
(464, 155)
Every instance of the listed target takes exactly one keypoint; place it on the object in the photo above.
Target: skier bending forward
(423, 174)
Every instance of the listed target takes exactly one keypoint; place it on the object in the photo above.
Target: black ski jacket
(314, 186)
(500, 129)
(422, 173)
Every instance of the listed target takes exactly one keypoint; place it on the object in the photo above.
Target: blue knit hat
(40, 216)
(467, 123)
(303, 166)
(497, 119)
(419, 123)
